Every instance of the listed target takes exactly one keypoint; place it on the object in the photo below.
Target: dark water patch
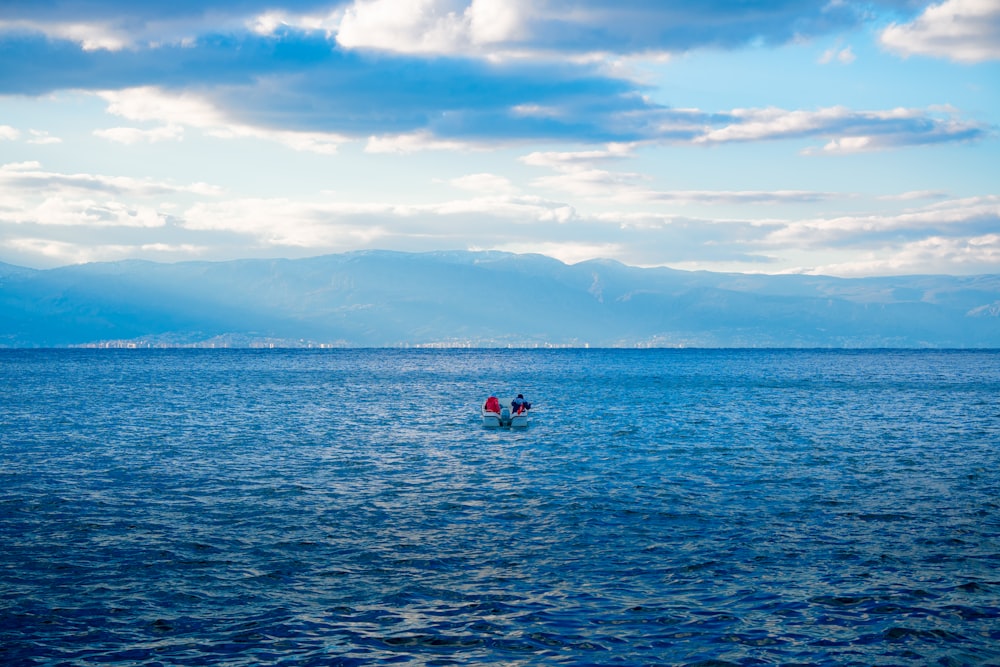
(724, 508)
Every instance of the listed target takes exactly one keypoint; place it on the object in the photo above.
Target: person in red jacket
(492, 405)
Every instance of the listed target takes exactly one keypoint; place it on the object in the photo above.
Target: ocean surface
(346, 507)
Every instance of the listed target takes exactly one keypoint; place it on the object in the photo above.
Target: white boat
(503, 418)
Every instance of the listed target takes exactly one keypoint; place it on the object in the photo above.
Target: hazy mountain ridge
(382, 298)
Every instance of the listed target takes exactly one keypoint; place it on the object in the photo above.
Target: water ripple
(345, 508)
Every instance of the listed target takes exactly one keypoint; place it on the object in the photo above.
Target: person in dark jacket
(519, 404)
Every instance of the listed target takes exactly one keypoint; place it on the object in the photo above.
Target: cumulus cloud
(285, 78)
(578, 173)
(935, 254)
(484, 183)
(32, 178)
(577, 160)
(962, 218)
(34, 196)
(851, 131)
(340, 224)
(443, 26)
(91, 36)
(961, 30)
(121, 25)
(63, 252)
(415, 142)
(509, 27)
(843, 56)
(179, 109)
(134, 135)
(41, 137)
(430, 26)
(8, 133)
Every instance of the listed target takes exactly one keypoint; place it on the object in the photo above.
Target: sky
(832, 137)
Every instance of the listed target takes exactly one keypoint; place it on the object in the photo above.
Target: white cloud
(935, 254)
(61, 253)
(577, 160)
(915, 194)
(577, 174)
(30, 195)
(151, 104)
(134, 135)
(339, 225)
(960, 30)
(271, 22)
(30, 178)
(956, 214)
(42, 137)
(771, 123)
(568, 252)
(90, 36)
(429, 26)
(851, 131)
(282, 222)
(843, 56)
(593, 183)
(844, 145)
(93, 213)
(8, 133)
(495, 20)
(415, 142)
(483, 183)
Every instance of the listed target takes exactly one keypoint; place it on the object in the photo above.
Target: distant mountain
(484, 299)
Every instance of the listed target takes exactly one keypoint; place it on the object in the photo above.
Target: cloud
(31, 178)
(415, 142)
(430, 26)
(630, 187)
(278, 73)
(973, 216)
(512, 27)
(568, 252)
(491, 183)
(935, 254)
(117, 25)
(443, 27)
(189, 109)
(91, 36)
(42, 137)
(851, 131)
(960, 30)
(915, 194)
(8, 133)
(30, 195)
(61, 253)
(59, 214)
(843, 56)
(134, 135)
(340, 225)
(577, 160)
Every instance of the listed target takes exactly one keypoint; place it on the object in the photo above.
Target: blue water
(347, 508)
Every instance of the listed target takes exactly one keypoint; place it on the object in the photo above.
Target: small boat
(496, 414)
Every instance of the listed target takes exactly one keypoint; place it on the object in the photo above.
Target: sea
(347, 507)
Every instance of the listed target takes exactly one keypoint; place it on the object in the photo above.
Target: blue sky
(834, 137)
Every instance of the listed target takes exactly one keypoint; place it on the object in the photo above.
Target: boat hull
(492, 419)
(504, 419)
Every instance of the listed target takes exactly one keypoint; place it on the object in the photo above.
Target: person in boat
(519, 405)
(492, 404)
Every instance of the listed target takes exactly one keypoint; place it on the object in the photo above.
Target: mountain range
(482, 299)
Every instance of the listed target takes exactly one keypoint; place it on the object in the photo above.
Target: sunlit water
(347, 507)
